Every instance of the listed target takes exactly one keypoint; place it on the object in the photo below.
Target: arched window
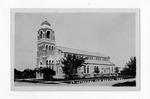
(49, 62)
(87, 69)
(41, 33)
(40, 63)
(95, 68)
(84, 69)
(48, 34)
(52, 62)
(49, 47)
(46, 47)
(46, 62)
(52, 47)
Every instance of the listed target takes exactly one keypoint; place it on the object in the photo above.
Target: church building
(50, 55)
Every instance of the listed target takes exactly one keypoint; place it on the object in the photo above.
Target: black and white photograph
(75, 49)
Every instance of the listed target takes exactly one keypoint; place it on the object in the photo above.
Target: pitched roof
(75, 51)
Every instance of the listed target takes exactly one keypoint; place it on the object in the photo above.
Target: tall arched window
(87, 69)
(41, 33)
(84, 69)
(48, 34)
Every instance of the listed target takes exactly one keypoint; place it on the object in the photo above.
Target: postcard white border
(72, 88)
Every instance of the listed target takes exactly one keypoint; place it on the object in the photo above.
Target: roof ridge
(84, 51)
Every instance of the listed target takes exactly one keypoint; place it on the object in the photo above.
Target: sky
(111, 34)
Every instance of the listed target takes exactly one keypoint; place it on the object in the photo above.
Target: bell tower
(45, 45)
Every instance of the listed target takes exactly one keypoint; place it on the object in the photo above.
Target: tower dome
(46, 23)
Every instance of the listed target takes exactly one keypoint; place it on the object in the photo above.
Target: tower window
(40, 63)
(52, 47)
(41, 33)
(50, 62)
(49, 47)
(46, 47)
(48, 34)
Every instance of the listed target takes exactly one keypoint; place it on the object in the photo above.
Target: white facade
(49, 55)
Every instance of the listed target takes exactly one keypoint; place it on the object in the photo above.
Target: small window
(49, 47)
(50, 62)
(46, 62)
(46, 47)
(52, 47)
(40, 63)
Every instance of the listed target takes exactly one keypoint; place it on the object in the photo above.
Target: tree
(116, 70)
(70, 65)
(17, 74)
(48, 73)
(28, 73)
(130, 68)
